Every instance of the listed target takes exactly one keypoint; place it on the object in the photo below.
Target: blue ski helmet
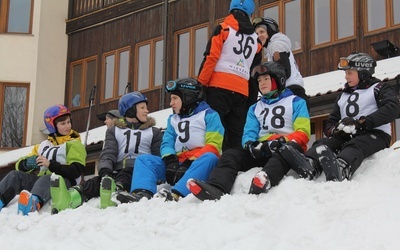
(53, 113)
(247, 6)
(127, 103)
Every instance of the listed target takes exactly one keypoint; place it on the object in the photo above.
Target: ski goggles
(259, 70)
(170, 85)
(345, 63)
(257, 21)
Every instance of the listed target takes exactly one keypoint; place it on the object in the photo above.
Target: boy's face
(264, 84)
(352, 77)
(64, 127)
(262, 34)
(176, 103)
(142, 111)
(109, 121)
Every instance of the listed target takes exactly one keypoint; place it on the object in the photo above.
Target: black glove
(254, 148)
(182, 170)
(274, 145)
(346, 128)
(172, 165)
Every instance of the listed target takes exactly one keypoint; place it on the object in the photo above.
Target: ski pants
(355, 150)
(91, 187)
(234, 160)
(16, 181)
(149, 169)
(232, 109)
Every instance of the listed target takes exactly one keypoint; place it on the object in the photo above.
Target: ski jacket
(229, 55)
(376, 101)
(66, 154)
(285, 115)
(280, 42)
(191, 136)
(126, 141)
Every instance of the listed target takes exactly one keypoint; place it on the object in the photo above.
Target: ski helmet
(127, 103)
(271, 24)
(362, 62)
(247, 6)
(275, 70)
(189, 90)
(53, 113)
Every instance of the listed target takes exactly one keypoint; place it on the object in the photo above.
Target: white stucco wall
(38, 59)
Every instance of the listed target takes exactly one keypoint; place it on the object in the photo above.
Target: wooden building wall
(100, 26)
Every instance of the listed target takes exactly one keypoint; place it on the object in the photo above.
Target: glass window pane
(376, 14)
(19, 16)
(201, 39)
(345, 18)
(293, 23)
(90, 79)
(123, 72)
(322, 22)
(183, 55)
(158, 63)
(143, 70)
(109, 77)
(76, 85)
(396, 11)
(13, 117)
(272, 12)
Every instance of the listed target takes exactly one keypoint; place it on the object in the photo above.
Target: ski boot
(126, 197)
(335, 169)
(203, 191)
(63, 198)
(107, 188)
(28, 203)
(305, 167)
(167, 195)
(260, 183)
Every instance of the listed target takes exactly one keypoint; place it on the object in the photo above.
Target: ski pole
(127, 88)
(91, 99)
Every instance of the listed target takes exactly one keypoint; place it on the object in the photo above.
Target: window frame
(282, 21)
(116, 54)
(390, 25)
(192, 42)
(4, 85)
(151, 85)
(84, 62)
(4, 17)
(333, 25)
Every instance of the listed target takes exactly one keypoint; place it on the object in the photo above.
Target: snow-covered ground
(363, 213)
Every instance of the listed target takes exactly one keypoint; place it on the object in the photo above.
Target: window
(82, 80)
(382, 14)
(16, 16)
(333, 20)
(13, 116)
(115, 73)
(149, 64)
(190, 46)
(288, 15)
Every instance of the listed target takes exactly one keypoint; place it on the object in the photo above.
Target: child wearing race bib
(278, 123)
(62, 153)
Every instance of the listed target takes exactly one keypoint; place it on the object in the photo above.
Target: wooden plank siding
(97, 27)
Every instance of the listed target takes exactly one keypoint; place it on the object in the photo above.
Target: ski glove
(28, 164)
(348, 126)
(254, 148)
(172, 165)
(274, 145)
(182, 169)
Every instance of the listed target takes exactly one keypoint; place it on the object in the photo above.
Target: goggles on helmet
(173, 85)
(345, 63)
(259, 70)
(257, 21)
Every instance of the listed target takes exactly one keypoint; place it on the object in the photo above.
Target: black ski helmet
(189, 90)
(271, 24)
(275, 70)
(362, 62)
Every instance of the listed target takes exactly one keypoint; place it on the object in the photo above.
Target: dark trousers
(232, 109)
(91, 187)
(355, 150)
